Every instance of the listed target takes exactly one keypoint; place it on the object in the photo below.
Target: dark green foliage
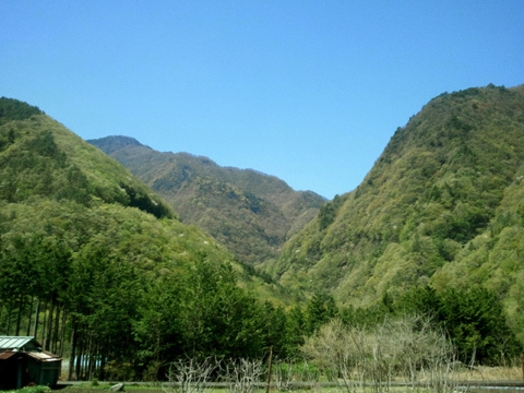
(38, 157)
(85, 259)
(296, 330)
(145, 203)
(422, 300)
(11, 109)
(28, 169)
(120, 284)
(87, 266)
(473, 318)
(328, 211)
(320, 309)
(43, 144)
(77, 187)
(476, 323)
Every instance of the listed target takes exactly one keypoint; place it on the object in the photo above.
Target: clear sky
(308, 91)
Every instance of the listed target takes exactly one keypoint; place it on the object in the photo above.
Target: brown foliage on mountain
(253, 214)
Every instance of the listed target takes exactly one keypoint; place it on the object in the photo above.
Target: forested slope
(253, 214)
(101, 271)
(39, 157)
(97, 266)
(442, 206)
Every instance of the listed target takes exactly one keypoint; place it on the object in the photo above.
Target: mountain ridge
(434, 195)
(250, 212)
(89, 251)
(42, 162)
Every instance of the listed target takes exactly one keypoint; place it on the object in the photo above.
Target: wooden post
(269, 369)
(522, 361)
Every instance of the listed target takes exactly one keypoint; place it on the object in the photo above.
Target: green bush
(34, 389)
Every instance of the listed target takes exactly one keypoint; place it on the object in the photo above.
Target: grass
(491, 374)
(31, 389)
(478, 374)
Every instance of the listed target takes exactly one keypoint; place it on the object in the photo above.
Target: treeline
(39, 157)
(115, 319)
(472, 318)
(119, 315)
(441, 205)
(11, 109)
(122, 293)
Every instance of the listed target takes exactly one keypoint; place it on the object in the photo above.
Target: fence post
(522, 362)
(269, 369)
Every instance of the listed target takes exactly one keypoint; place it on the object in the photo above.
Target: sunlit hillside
(441, 206)
(89, 253)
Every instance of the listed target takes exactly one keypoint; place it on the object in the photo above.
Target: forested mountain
(443, 207)
(251, 213)
(96, 265)
(40, 158)
(101, 270)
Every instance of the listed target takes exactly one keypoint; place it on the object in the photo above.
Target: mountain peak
(13, 109)
(433, 198)
(252, 213)
(111, 143)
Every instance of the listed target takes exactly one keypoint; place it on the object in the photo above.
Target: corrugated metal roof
(14, 342)
(44, 356)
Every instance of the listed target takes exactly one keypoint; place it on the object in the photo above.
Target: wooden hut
(22, 362)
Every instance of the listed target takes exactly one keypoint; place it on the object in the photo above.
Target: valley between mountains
(114, 250)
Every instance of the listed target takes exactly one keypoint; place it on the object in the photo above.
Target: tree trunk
(49, 327)
(1, 315)
(44, 323)
(30, 316)
(54, 338)
(9, 312)
(101, 372)
(92, 357)
(62, 333)
(73, 350)
(37, 314)
(19, 316)
(80, 357)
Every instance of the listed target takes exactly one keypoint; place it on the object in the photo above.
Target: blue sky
(308, 91)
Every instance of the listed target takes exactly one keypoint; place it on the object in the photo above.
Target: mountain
(89, 254)
(443, 205)
(97, 266)
(42, 162)
(251, 213)
(38, 157)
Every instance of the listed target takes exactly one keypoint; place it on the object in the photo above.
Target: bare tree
(283, 377)
(408, 349)
(189, 375)
(337, 348)
(242, 375)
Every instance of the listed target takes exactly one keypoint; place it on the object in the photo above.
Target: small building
(22, 362)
